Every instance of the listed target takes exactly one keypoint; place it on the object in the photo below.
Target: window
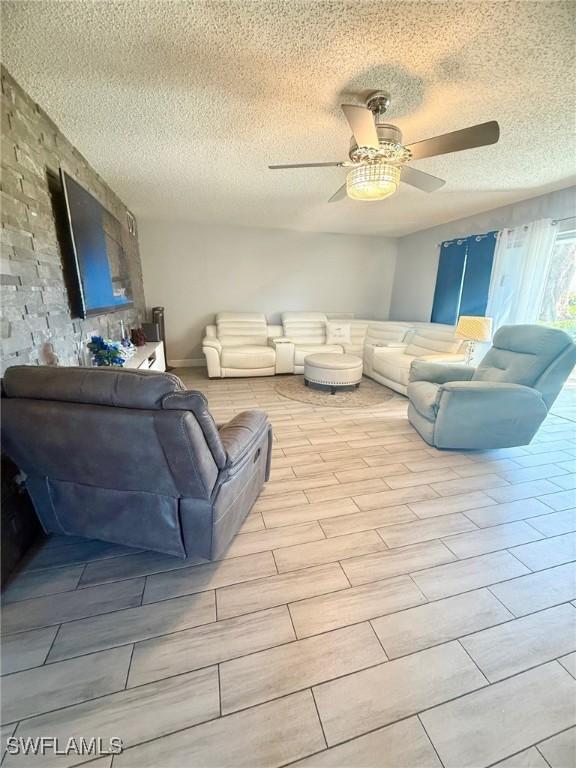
(558, 307)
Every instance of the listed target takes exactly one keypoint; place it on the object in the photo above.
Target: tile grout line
(338, 677)
(311, 689)
(536, 746)
(345, 741)
(49, 649)
(129, 666)
(533, 745)
(328, 422)
(495, 596)
(332, 592)
(319, 521)
(429, 739)
(488, 682)
(219, 689)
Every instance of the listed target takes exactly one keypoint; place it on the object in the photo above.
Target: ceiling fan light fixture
(373, 181)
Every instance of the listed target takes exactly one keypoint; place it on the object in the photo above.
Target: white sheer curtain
(521, 263)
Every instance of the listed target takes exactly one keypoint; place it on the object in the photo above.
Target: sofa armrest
(438, 373)
(212, 342)
(442, 357)
(393, 348)
(212, 350)
(491, 389)
(284, 354)
(240, 433)
(510, 412)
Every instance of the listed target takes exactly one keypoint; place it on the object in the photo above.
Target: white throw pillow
(338, 333)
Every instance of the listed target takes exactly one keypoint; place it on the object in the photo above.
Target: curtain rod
(566, 218)
(554, 221)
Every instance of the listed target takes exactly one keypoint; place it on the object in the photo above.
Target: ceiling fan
(379, 159)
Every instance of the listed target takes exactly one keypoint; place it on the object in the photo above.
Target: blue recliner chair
(503, 401)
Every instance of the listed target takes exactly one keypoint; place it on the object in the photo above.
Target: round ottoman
(332, 371)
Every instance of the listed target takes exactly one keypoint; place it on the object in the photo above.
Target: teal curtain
(463, 277)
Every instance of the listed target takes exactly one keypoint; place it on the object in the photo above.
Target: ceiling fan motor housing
(391, 149)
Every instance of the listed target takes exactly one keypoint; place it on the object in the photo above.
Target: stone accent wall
(35, 244)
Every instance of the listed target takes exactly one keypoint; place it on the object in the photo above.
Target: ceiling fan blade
(468, 138)
(424, 181)
(306, 165)
(361, 121)
(340, 194)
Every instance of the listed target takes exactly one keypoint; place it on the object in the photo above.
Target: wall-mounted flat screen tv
(100, 264)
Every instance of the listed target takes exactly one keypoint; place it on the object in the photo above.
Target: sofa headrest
(95, 386)
(523, 354)
(303, 317)
(532, 340)
(240, 317)
(241, 328)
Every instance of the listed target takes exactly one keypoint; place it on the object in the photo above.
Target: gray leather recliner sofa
(133, 458)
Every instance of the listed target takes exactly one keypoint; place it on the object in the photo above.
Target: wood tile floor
(386, 604)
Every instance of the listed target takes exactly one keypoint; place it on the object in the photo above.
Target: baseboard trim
(188, 362)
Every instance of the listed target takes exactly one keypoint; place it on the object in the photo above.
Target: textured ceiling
(181, 105)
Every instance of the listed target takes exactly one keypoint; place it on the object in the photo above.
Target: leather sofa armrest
(212, 350)
(442, 357)
(241, 432)
(489, 407)
(389, 349)
(438, 373)
(210, 341)
(284, 354)
(491, 388)
(475, 415)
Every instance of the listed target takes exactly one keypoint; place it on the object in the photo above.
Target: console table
(148, 357)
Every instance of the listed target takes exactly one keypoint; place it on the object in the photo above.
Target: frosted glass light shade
(474, 328)
(372, 182)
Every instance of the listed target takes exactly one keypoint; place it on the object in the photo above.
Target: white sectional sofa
(244, 344)
(390, 364)
(239, 345)
(306, 331)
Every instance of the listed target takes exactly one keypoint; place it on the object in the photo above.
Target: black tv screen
(101, 267)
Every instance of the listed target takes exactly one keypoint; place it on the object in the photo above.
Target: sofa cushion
(302, 350)
(421, 344)
(521, 353)
(424, 396)
(393, 365)
(248, 356)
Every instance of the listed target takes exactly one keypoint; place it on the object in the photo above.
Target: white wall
(417, 261)
(196, 270)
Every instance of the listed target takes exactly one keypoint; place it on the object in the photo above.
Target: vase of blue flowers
(106, 352)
